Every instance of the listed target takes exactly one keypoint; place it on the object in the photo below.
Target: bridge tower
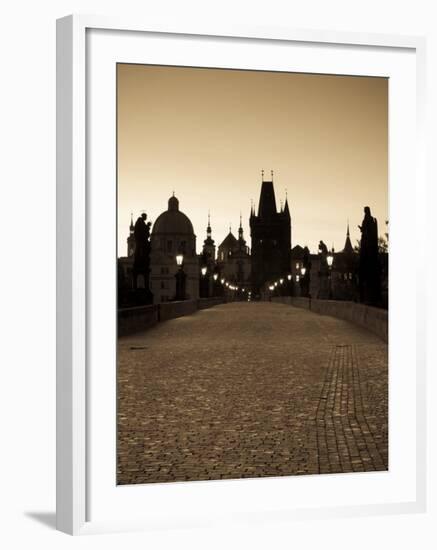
(270, 232)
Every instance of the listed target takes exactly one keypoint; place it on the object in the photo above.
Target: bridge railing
(136, 319)
(371, 318)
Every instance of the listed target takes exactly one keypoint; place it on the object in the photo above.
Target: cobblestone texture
(249, 390)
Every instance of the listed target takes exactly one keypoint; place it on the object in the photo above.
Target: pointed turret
(348, 248)
(286, 208)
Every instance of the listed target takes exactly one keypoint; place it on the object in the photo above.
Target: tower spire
(262, 174)
(208, 229)
(348, 248)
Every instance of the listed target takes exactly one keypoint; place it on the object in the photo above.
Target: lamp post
(290, 284)
(180, 278)
(215, 284)
(203, 282)
(303, 271)
(330, 261)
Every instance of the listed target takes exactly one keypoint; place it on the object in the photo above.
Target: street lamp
(215, 276)
(203, 271)
(303, 282)
(180, 278)
(330, 261)
(281, 281)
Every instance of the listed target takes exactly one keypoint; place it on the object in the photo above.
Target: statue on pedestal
(141, 267)
(369, 266)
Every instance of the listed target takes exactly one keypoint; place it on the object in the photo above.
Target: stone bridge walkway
(250, 390)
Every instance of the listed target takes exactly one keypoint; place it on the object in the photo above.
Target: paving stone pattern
(249, 390)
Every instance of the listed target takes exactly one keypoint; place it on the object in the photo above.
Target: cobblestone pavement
(249, 390)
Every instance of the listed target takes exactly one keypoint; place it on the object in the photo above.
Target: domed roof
(173, 221)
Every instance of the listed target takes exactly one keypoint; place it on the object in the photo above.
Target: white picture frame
(76, 311)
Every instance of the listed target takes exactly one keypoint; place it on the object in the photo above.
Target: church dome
(173, 221)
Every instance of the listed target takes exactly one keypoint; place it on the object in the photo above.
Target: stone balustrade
(371, 318)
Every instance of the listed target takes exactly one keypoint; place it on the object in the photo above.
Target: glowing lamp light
(330, 259)
(215, 276)
(179, 259)
(289, 276)
(276, 283)
(222, 281)
(281, 281)
(303, 271)
(297, 278)
(203, 271)
(271, 287)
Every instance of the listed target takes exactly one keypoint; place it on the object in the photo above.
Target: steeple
(131, 238)
(208, 240)
(240, 229)
(208, 229)
(348, 248)
(286, 209)
(208, 243)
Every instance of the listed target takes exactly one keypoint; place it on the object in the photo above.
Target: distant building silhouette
(271, 238)
(208, 244)
(345, 272)
(172, 234)
(131, 238)
(234, 260)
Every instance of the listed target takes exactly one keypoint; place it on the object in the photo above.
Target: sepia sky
(207, 133)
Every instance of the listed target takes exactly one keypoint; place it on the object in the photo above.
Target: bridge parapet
(371, 318)
(136, 319)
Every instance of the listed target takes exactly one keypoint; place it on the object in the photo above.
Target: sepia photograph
(252, 274)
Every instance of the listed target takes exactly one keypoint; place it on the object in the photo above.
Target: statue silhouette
(141, 266)
(369, 267)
